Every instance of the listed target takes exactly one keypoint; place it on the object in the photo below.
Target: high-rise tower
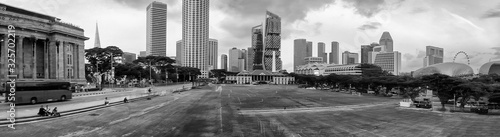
(97, 42)
(321, 51)
(258, 48)
(195, 21)
(156, 29)
(272, 42)
(334, 55)
(386, 40)
(212, 53)
(299, 52)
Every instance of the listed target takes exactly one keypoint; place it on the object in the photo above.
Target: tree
(372, 70)
(469, 90)
(100, 60)
(443, 85)
(220, 74)
(156, 63)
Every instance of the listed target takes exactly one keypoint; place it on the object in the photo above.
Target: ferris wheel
(467, 56)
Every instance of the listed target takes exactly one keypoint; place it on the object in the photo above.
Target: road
(262, 110)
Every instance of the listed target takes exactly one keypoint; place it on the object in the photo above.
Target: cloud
(408, 56)
(418, 10)
(492, 13)
(242, 15)
(370, 25)
(367, 8)
(142, 4)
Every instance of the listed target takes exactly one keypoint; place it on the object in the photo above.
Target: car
(422, 104)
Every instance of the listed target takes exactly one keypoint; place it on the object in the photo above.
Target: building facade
(299, 52)
(272, 42)
(142, 54)
(334, 54)
(387, 41)
(350, 58)
(128, 57)
(212, 53)
(433, 55)
(351, 69)
(156, 29)
(389, 61)
(309, 60)
(311, 69)
(46, 49)
(246, 77)
(223, 62)
(195, 30)
(179, 52)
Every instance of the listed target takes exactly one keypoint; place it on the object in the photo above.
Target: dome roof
(448, 68)
(490, 68)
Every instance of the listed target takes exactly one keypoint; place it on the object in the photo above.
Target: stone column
(20, 57)
(3, 55)
(33, 69)
(52, 56)
(46, 59)
(60, 61)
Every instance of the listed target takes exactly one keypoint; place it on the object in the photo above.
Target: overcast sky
(455, 25)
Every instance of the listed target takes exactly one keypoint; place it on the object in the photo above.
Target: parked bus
(35, 92)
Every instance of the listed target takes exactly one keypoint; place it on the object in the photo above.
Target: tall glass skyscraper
(258, 47)
(195, 21)
(386, 40)
(272, 42)
(156, 29)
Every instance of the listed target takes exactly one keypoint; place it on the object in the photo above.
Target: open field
(236, 110)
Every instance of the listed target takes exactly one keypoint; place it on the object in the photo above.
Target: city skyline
(476, 25)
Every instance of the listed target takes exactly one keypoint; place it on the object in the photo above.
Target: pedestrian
(106, 102)
(125, 100)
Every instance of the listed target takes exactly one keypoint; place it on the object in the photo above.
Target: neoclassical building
(246, 77)
(46, 49)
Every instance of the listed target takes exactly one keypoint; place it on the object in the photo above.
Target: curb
(87, 94)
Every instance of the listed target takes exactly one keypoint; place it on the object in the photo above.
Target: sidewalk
(138, 92)
(69, 106)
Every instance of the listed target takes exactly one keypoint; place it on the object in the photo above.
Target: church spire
(97, 42)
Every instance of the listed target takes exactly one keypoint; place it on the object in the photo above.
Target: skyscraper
(334, 55)
(272, 42)
(386, 40)
(299, 52)
(365, 49)
(179, 52)
(195, 27)
(258, 47)
(250, 58)
(349, 58)
(309, 49)
(434, 55)
(223, 62)
(321, 51)
(156, 29)
(212, 53)
(97, 42)
(234, 60)
(244, 61)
